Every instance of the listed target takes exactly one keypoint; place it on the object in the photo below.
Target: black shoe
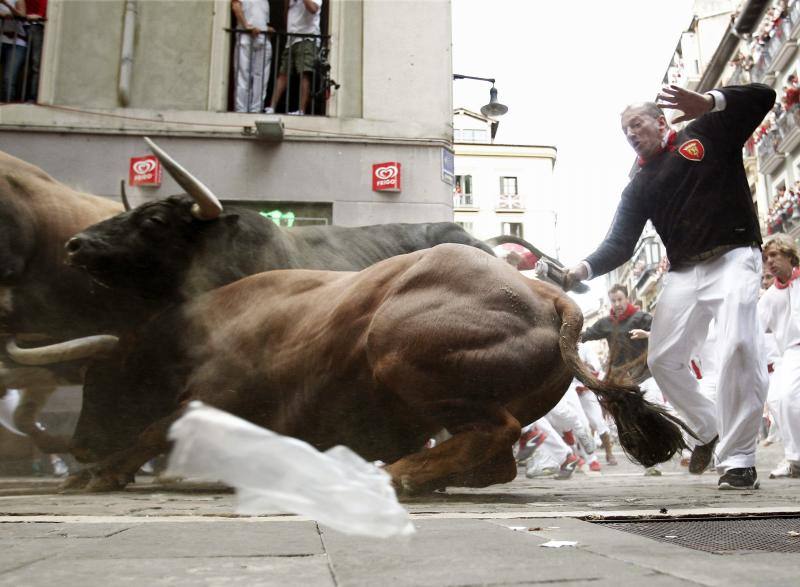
(741, 478)
(701, 457)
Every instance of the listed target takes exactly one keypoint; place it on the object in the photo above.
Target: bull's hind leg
(478, 454)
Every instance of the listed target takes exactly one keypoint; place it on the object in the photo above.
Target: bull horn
(71, 350)
(123, 196)
(207, 206)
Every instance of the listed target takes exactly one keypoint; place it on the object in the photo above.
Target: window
(508, 186)
(462, 192)
(512, 229)
(471, 135)
(468, 226)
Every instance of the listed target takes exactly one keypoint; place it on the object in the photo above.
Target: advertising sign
(145, 171)
(386, 177)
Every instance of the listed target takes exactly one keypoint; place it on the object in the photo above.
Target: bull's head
(148, 249)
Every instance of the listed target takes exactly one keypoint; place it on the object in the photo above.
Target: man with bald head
(692, 186)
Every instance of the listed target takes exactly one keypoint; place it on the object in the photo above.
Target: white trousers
(551, 453)
(593, 411)
(568, 416)
(252, 63)
(786, 402)
(726, 289)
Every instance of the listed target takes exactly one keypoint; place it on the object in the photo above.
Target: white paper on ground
(8, 404)
(337, 488)
(558, 543)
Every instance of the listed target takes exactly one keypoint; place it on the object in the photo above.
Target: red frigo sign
(145, 171)
(386, 177)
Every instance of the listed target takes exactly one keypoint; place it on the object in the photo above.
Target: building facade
(503, 189)
(115, 71)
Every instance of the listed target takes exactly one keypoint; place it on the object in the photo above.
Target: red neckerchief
(629, 311)
(669, 145)
(795, 275)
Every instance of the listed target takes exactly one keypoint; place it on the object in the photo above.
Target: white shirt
(256, 13)
(779, 312)
(300, 20)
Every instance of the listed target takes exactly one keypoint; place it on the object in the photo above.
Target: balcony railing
(740, 76)
(789, 125)
(21, 59)
(769, 157)
(781, 46)
(510, 202)
(463, 201)
(261, 68)
(761, 65)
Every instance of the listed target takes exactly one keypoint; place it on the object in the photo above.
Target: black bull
(378, 360)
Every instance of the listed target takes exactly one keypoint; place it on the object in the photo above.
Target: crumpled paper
(271, 472)
(558, 543)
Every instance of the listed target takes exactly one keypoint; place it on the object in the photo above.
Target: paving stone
(309, 571)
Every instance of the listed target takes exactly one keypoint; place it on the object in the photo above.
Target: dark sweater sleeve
(596, 331)
(645, 321)
(621, 239)
(745, 108)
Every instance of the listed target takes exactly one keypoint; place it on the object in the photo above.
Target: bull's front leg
(477, 455)
(118, 470)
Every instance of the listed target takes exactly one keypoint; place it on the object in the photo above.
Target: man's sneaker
(533, 472)
(296, 113)
(269, 110)
(652, 472)
(785, 469)
(611, 461)
(528, 443)
(567, 467)
(739, 478)
(701, 457)
(594, 466)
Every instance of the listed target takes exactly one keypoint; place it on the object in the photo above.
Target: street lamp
(494, 108)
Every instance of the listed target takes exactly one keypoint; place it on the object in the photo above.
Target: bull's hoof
(76, 481)
(106, 482)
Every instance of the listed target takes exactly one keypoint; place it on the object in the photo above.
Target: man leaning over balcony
(253, 54)
(692, 185)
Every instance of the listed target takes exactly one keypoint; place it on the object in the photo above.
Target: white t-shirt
(300, 20)
(779, 312)
(256, 13)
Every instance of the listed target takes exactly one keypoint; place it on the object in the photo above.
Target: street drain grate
(719, 535)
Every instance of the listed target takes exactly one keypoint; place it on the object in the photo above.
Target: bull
(173, 249)
(42, 300)
(379, 360)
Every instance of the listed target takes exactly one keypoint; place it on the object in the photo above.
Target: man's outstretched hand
(574, 276)
(690, 103)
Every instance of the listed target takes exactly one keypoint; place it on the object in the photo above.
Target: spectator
(303, 17)
(14, 45)
(779, 312)
(253, 56)
(37, 14)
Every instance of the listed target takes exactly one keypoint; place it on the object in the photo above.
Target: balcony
(760, 72)
(464, 202)
(739, 77)
(794, 15)
(509, 203)
(769, 157)
(789, 126)
(781, 47)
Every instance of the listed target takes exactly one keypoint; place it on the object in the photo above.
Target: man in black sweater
(693, 187)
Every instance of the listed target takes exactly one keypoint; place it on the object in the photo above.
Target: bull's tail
(647, 432)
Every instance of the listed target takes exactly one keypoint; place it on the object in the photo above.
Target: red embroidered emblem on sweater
(693, 150)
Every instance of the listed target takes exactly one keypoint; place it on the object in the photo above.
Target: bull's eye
(154, 222)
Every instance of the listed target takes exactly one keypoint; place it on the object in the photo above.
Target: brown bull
(41, 299)
(378, 360)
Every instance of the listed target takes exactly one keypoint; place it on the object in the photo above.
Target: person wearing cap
(691, 184)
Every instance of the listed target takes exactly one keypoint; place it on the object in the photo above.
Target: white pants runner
(725, 288)
(593, 411)
(786, 402)
(253, 60)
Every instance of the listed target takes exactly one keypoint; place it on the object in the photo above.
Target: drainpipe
(126, 60)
